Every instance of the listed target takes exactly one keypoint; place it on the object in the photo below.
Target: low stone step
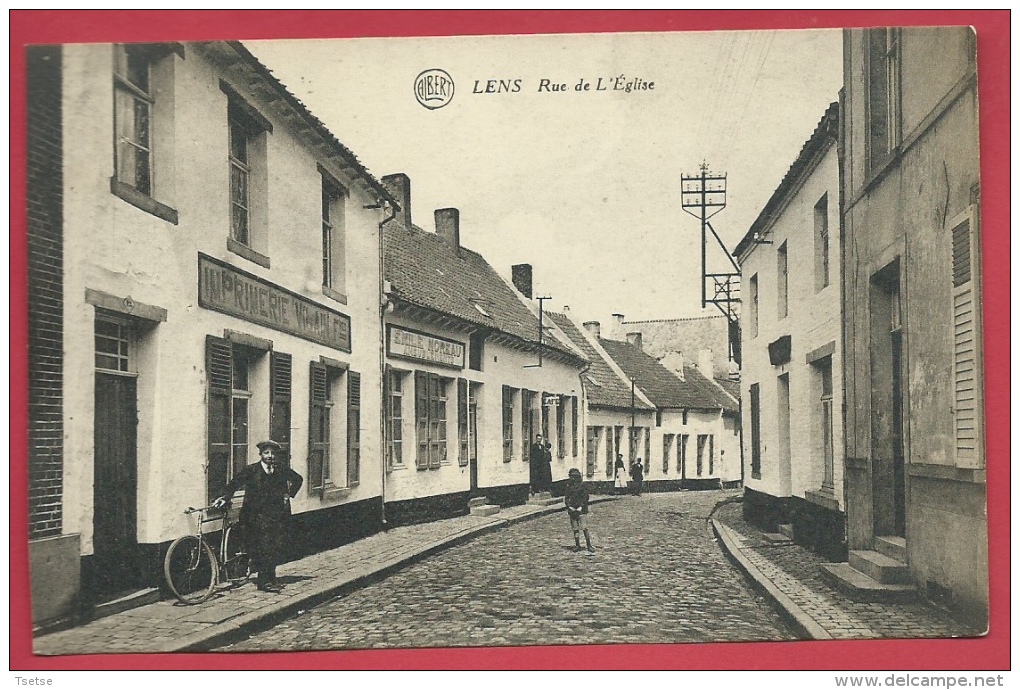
(786, 530)
(477, 501)
(893, 547)
(880, 568)
(776, 539)
(142, 597)
(547, 501)
(484, 510)
(863, 588)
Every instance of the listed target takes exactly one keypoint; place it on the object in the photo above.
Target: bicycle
(193, 568)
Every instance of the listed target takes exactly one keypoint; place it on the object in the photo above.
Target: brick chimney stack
(521, 276)
(593, 327)
(617, 326)
(448, 226)
(399, 186)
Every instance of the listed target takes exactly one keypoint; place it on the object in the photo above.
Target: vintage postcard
(648, 336)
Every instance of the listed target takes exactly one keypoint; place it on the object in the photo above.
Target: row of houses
(210, 266)
(861, 382)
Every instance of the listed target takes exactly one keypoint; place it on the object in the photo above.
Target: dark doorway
(115, 492)
(887, 404)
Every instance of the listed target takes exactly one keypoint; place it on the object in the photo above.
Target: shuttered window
(591, 450)
(353, 428)
(430, 419)
(319, 427)
(394, 418)
(279, 400)
(462, 422)
(573, 426)
(667, 444)
(610, 456)
(681, 455)
(527, 410)
(561, 426)
(967, 383)
(508, 423)
(219, 376)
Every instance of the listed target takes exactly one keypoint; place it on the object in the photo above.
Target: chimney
(705, 363)
(634, 339)
(399, 186)
(521, 276)
(594, 328)
(674, 361)
(448, 226)
(566, 310)
(617, 326)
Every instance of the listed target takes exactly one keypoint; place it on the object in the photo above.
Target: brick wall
(45, 292)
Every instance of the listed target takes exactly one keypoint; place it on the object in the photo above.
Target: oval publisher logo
(433, 88)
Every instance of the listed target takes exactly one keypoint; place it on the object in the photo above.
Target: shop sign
(229, 290)
(424, 348)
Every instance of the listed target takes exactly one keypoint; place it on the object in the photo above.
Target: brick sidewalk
(791, 575)
(168, 626)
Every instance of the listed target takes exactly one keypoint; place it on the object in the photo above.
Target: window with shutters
(711, 454)
(591, 450)
(353, 428)
(320, 425)
(702, 447)
(280, 366)
(883, 104)
(681, 455)
(508, 423)
(463, 426)
(610, 452)
(618, 443)
(648, 449)
(395, 418)
(430, 391)
(334, 447)
(472, 410)
(823, 375)
(527, 423)
(968, 402)
(561, 427)
(667, 446)
(573, 426)
(229, 373)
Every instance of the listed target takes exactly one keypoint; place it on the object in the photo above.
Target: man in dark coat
(268, 486)
(637, 474)
(536, 465)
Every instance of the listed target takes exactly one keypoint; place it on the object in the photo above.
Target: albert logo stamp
(433, 88)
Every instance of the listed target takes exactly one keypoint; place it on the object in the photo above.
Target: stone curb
(804, 624)
(239, 627)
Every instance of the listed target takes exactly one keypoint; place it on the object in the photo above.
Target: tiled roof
(426, 271)
(730, 386)
(604, 387)
(662, 386)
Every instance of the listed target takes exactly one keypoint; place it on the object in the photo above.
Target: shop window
(395, 418)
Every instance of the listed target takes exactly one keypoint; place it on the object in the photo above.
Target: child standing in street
(576, 499)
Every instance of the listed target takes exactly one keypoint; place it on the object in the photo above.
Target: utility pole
(541, 330)
(703, 195)
(633, 440)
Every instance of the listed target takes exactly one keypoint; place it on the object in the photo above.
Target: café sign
(229, 290)
(424, 348)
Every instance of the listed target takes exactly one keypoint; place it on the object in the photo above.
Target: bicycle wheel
(190, 569)
(236, 561)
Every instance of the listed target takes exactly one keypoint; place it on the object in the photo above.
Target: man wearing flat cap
(268, 488)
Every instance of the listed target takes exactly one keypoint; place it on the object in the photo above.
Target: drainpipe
(384, 304)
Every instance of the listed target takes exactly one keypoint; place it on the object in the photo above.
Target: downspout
(384, 304)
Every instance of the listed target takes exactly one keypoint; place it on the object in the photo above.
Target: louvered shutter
(318, 426)
(421, 418)
(462, 421)
(219, 376)
(573, 426)
(967, 382)
(280, 365)
(353, 428)
(388, 417)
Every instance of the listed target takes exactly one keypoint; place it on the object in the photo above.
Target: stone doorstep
(888, 571)
(142, 597)
(536, 501)
(775, 539)
(786, 530)
(893, 547)
(484, 510)
(477, 501)
(863, 588)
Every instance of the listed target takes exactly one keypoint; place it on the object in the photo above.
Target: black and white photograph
(491, 341)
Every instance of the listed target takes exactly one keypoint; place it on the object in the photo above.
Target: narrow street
(657, 577)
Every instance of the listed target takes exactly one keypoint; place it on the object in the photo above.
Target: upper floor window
(752, 312)
(782, 281)
(140, 72)
(240, 178)
(334, 271)
(246, 160)
(883, 94)
(821, 223)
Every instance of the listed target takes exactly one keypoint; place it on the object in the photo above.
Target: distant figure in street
(620, 475)
(268, 488)
(547, 467)
(637, 474)
(536, 462)
(576, 498)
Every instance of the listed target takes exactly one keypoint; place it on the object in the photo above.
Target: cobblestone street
(657, 577)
